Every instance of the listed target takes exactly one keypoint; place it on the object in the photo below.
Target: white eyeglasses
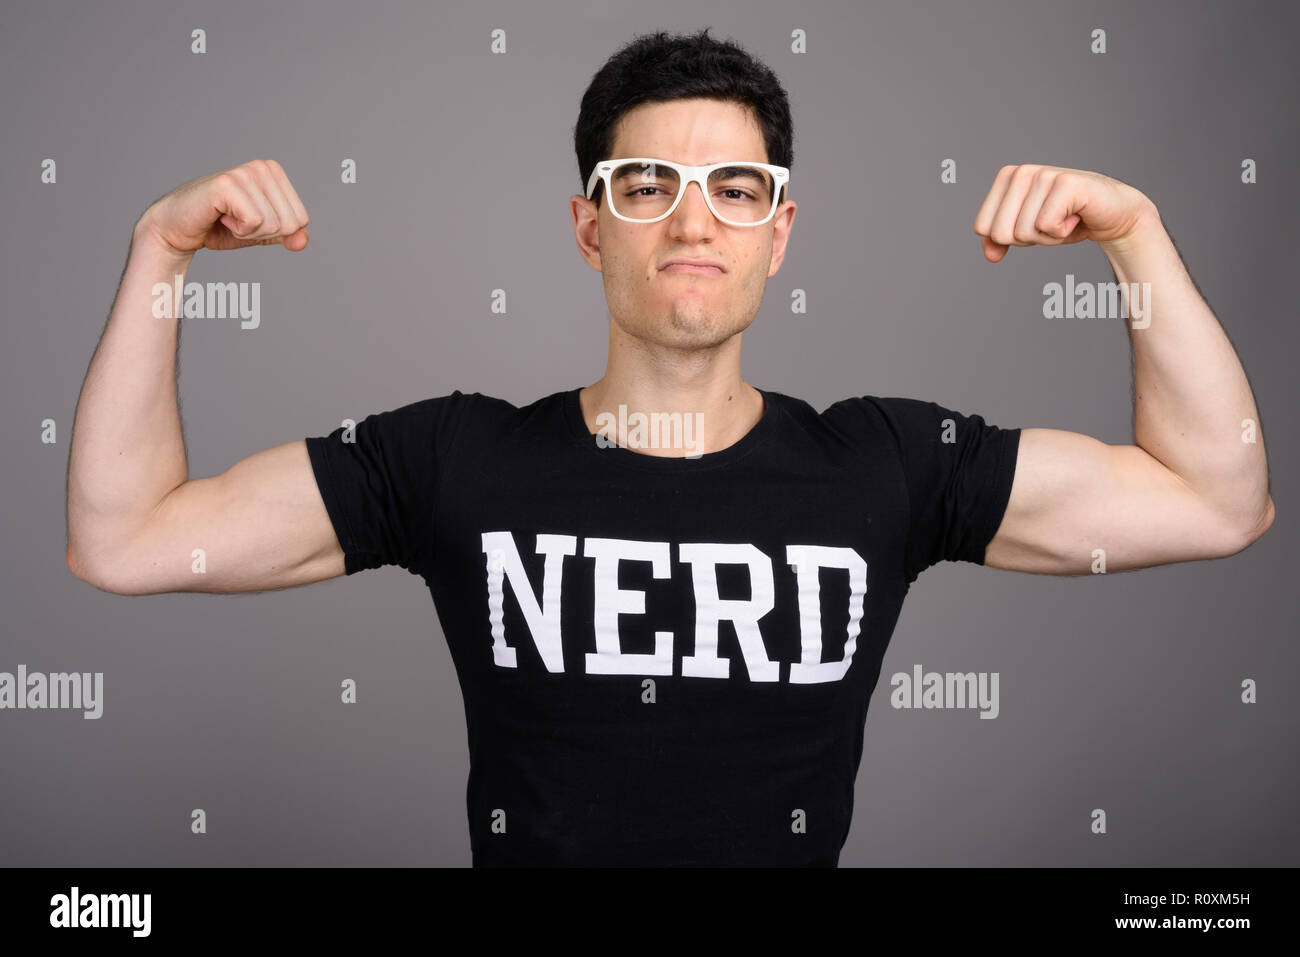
(645, 190)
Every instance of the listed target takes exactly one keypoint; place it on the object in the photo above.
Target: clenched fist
(1032, 205)
(252, 204)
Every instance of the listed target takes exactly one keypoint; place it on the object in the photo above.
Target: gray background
(1118, 692)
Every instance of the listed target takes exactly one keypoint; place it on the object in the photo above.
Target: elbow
(1253, 534)
(81, 569)
(94, 573)
(1265, 522)
(77, 566)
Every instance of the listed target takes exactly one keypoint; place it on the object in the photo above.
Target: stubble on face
(684, 311)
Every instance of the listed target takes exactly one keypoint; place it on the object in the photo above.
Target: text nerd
(543, 618)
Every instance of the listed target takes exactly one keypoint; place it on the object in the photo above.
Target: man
(667, 646)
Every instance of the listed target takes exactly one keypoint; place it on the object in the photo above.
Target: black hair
(657, 67)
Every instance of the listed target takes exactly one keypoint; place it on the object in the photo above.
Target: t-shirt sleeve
(958, 471)
(380, 480)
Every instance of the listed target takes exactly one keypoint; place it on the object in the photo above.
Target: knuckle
(254, 171)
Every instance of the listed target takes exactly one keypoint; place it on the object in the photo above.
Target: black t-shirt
(664, 661)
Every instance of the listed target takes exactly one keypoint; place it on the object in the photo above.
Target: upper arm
(1073, 495)
(259, 525)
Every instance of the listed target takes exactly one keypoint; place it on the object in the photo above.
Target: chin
(697, 334)
(689, 328)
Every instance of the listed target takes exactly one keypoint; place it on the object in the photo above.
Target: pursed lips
(697, 267)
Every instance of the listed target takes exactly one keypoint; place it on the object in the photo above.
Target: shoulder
(449, 407)
(857, 428)
(907, 420)
(891, 417)
(429, 425)
(482, 421)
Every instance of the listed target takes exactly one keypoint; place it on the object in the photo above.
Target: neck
(702, 384)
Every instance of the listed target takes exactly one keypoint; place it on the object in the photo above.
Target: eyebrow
(747, 171)
(636, 170)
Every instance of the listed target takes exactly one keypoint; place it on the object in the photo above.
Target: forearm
(127, 451)
(1192, 397)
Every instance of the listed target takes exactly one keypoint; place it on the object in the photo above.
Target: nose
(692, 213)
(699, 191)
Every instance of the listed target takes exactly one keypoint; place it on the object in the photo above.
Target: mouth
(692, 268)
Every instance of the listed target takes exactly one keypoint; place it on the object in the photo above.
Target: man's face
(682, 309)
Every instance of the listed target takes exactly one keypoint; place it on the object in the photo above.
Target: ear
(586, 229)
(784, 222)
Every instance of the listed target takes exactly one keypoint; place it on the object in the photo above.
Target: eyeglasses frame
(688, 175)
